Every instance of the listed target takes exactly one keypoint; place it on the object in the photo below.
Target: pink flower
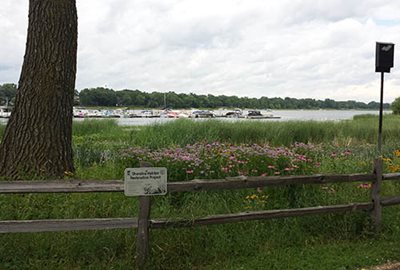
(347, 153)
(225, 169)
(364, 186)
(189, 171)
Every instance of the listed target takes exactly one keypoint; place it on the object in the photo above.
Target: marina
(5, 112)
(168, 113)
(144, 117)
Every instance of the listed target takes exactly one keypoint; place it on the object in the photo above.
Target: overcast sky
(287, 48)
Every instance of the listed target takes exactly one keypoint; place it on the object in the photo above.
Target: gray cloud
(298, 48)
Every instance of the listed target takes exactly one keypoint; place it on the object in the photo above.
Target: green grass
(358, 131)
(314, 242)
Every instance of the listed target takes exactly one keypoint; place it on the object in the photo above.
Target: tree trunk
(37, 139)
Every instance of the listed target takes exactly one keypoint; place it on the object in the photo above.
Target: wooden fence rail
(77, 186)
(62, 225)
(143, 223)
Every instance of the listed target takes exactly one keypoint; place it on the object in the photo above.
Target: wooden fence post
(375, 194)
(142, 244)
(142, 240)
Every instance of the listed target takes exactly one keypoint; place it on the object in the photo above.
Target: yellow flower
(393, 168)
(68, 174)
(397, 153)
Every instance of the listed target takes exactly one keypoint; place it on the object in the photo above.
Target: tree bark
(37, 139)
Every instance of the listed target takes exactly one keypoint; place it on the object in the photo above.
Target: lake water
(286, 115)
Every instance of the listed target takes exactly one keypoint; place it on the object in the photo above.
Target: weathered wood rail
(143, 223)
(241, 182)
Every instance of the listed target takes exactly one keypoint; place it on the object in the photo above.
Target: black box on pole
(384, 57)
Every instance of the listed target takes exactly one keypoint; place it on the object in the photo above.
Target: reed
(361, 130)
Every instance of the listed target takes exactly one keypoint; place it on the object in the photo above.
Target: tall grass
(98, 141)
(106, 128)
(361, 130)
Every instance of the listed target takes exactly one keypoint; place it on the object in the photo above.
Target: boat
(234, 114)
(202, 114)
(255, 114)
(78, 113)
(5, 112)
(169, 114)
(85, 113)
(111, 114)
(147, 114)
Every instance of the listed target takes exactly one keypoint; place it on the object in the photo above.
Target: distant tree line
(7, 93)
(135, 98)
(101, 96)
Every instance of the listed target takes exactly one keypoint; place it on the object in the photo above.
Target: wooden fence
(143, 222)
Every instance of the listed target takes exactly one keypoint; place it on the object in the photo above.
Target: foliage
(396, 106)
(98, 97)
(135, 98)
(7, 93)
(392, 161)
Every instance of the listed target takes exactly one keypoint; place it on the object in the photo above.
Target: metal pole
(380, 118)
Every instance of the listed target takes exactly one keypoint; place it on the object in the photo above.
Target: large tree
(37, 139)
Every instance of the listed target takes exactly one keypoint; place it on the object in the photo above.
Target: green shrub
(396, 106)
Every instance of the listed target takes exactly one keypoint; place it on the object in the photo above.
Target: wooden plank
(77, 186)
(142, 244)
(376, 213)
(57, 186)
(391, 176)
(58, 225)
(390, 201)
(254, 182)
(260, 215)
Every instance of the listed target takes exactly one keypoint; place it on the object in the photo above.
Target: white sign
(145, 181)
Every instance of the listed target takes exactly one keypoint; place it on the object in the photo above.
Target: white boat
(254, 114)
(237, 113)
(147, 114)
(79, 113)
(5, 112)
(202, 114)
(169, 114)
